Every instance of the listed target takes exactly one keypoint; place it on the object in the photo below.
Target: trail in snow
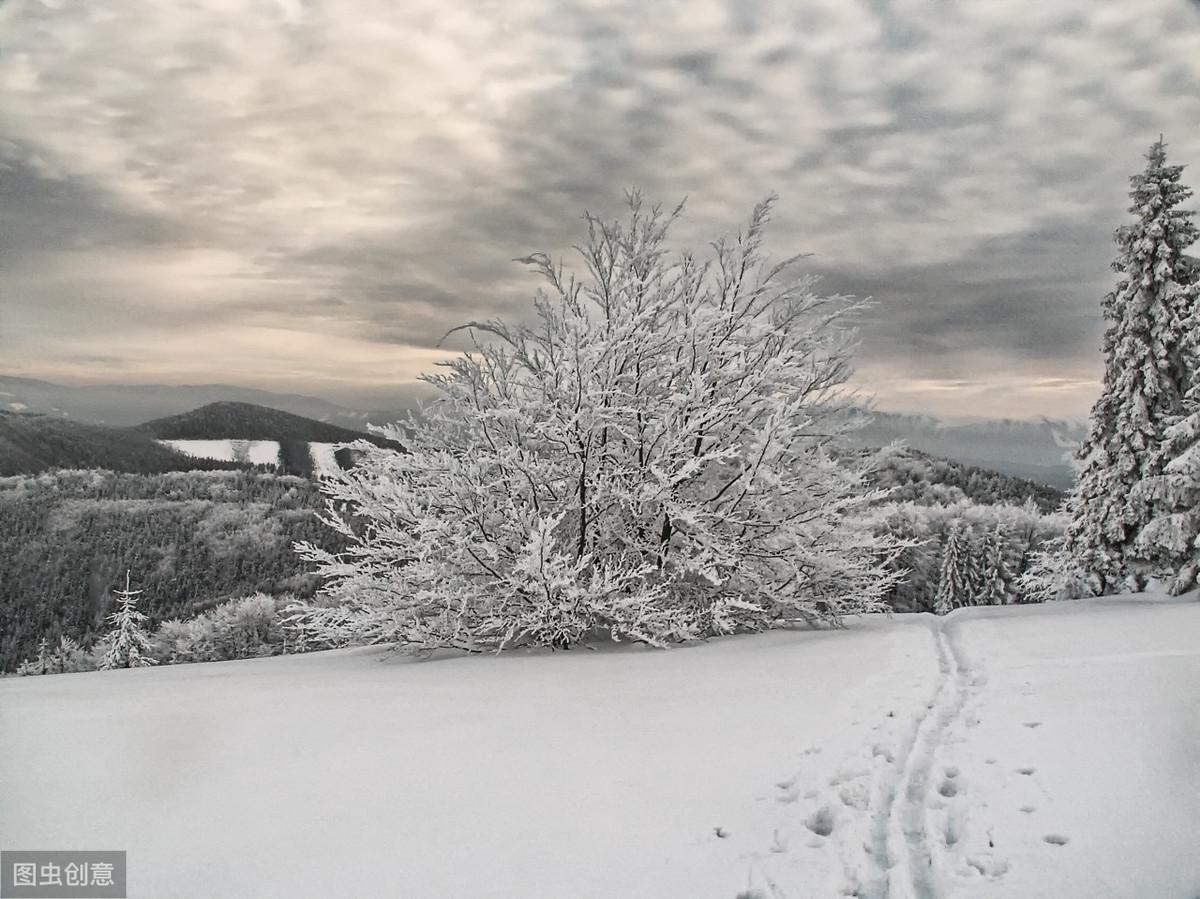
(880, 819)
(904, 822)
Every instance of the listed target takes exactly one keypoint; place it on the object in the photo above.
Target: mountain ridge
(250, 421)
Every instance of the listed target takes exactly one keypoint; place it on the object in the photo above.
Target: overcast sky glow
(306, 194)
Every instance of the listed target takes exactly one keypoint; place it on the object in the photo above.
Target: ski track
(902, 828)
(888, 811)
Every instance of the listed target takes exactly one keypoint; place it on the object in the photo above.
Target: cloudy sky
(306, 194)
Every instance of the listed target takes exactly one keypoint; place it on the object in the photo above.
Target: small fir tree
(956, 575)
(994, 571)
(39, 664)
(128, 643)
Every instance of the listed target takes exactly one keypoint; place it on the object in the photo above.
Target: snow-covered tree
(956, 572)
(653, 459)
(39, 664)
(994, 575)
(65, 656)
(127, 645)
(1148, 370)
(1053, 574)
(1169, 541)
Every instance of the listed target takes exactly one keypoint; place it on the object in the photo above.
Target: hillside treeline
(190, 539)
(916, 477)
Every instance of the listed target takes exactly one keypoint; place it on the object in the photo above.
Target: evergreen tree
(1147, 373)
(993, 571)
(40, 664)
(128, 644)
(1168, 542)
(956, 574)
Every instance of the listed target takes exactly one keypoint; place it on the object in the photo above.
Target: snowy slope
(256, 452)
(1078, 752)
(875, 761)
(323, 459)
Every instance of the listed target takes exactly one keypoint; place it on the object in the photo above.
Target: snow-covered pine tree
(127, 645)
(1147, 373)
(976, 550)
(994, 575)
(1169, 541)
(956, 572)
(39, 664)
(654, 459)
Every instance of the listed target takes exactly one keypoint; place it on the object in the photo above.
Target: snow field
(997, 753)
(256, 452)
(323, 459)
(621, 772)
(1077, 753)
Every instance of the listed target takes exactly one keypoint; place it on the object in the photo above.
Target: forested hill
(189, 539)
(928, 480)
(33, 443)
(246, 421)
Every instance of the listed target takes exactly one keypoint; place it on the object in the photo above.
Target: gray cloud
(311, 192)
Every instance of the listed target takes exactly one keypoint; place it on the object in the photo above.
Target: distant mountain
(130, 404)
(247, 421)
(297, 445)
(30, 444)
(1028, 449)
(1022, 448)
(914, 476)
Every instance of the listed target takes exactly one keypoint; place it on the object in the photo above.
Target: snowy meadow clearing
(1033, 751)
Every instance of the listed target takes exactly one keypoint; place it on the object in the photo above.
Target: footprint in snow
(1028, 809)
(820, 822)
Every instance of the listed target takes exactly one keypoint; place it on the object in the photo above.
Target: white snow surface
(256, 452)
(899, 757)
(323, 459)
